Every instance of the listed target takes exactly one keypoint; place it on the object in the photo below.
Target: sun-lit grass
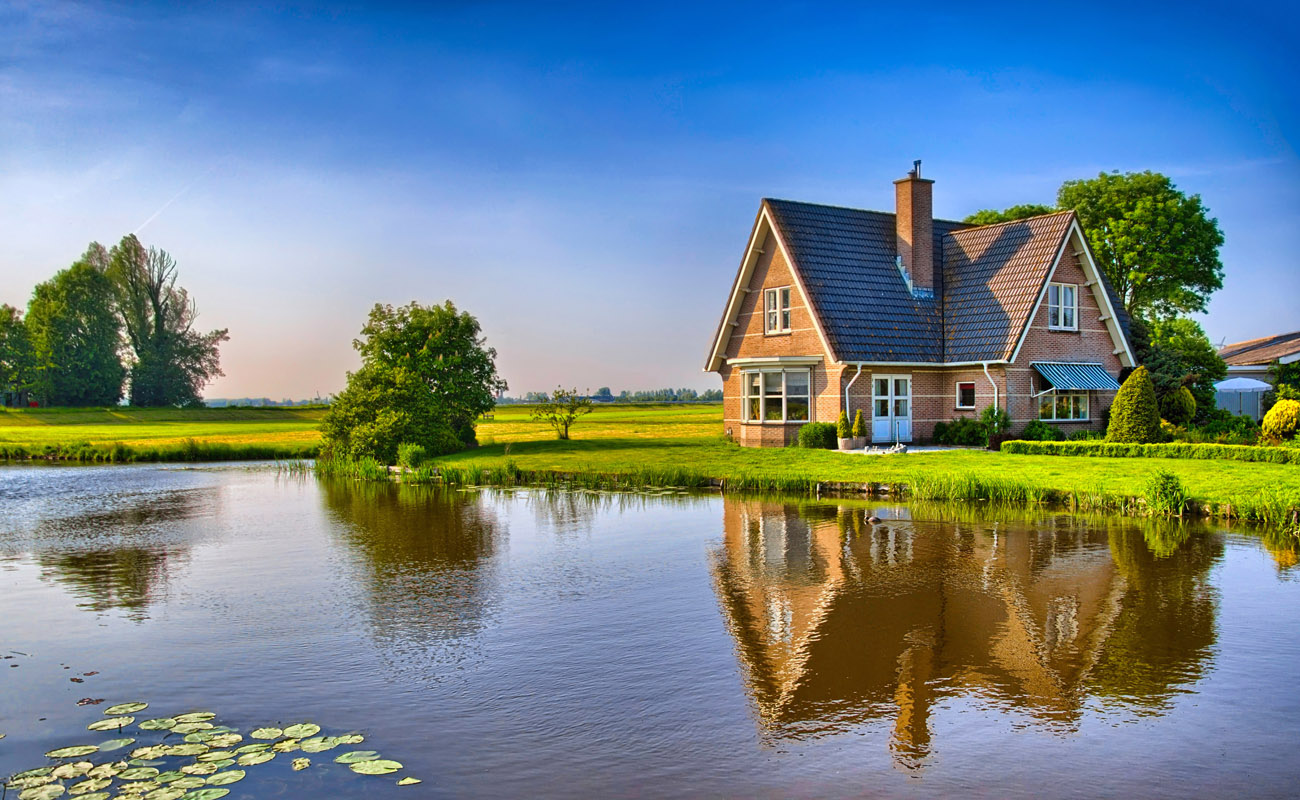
(41, 428)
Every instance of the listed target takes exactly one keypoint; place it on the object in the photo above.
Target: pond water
(570, 644)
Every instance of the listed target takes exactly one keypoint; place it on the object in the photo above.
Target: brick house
(915, 321)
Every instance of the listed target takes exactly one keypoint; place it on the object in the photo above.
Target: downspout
(985, 364)
(847, 413)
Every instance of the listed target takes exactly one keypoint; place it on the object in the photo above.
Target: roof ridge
(1013, 221)
(1256, 343)
(851, 208)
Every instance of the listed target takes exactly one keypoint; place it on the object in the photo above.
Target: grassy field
(631, 439)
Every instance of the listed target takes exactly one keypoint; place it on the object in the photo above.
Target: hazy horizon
(583, 182)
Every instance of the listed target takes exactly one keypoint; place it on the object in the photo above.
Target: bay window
(776, 395)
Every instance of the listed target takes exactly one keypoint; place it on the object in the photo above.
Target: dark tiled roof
(992, 277)
(1265, 350)
(845, 257)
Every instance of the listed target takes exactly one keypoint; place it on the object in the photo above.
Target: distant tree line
(113, 324)
(604, 395)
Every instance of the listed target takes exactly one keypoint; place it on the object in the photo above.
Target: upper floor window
(966, 394)
(777, 303)
(1063, 306)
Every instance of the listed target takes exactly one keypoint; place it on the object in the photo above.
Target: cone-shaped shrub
(1135, 416)
(1282, 420)
(859, 425)
(842, 427)
(1178, 406)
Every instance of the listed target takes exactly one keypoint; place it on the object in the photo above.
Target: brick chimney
(915, 228)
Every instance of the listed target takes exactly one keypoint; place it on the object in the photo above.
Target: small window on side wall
(966, 394)
(776, 304)
(1063, 306)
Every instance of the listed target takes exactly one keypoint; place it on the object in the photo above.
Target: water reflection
(840, 622)
(426, 555)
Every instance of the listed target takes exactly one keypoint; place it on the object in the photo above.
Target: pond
(524, 642)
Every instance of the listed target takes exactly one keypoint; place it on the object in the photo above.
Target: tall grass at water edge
(188, 450)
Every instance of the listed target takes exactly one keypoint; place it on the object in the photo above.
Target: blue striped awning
(1068, 376)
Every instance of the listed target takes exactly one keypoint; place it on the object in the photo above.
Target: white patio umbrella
(1242, 385)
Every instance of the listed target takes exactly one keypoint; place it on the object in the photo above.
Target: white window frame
(1087, 406)
(776, 310)
(957, 399)
(1056, 310)
(746, 396)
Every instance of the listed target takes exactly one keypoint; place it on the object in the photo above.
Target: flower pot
(859, 443)
(846, 444)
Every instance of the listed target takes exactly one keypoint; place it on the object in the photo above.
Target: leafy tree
(171, 362)
(1181, 355)
(17, 361)
(1159, 247)
(562, 409)
(1134, 416)
(75, 335)
(989, 216)
(382, 408)
(441, 346)
(603, 393)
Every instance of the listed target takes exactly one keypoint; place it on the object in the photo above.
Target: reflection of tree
(121, 558)
(1283, 546)
(840, 623)
(424, 550)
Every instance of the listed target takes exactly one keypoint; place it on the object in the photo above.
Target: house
(915, 321)
(1253, 360)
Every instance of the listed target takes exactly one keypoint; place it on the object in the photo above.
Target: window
(777, 395)
(1063, 306)
(966, 394)
(777, 303)
(1063, 406)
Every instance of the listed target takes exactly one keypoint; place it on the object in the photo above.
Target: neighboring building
(1252, 359)
(915, 321)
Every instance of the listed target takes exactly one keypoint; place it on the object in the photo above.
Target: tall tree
(17, 361)
(1180, 354)
(171, 362)
(1158, 246)
(989, 216)
(76, 335)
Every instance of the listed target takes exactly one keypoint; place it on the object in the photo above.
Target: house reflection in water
(840, 623)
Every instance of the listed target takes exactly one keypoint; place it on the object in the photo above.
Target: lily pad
(318, 744)
(300, 764)
(286, 746)
(252, 759)
(267, 733)
(223, 740)
(356, 756)
(199, 769)
(146, 762)
(151, 752)
(107, 770)
(159, 724)
(188, 749)
(33, 773)
(376, 767)
(169, 776)
(216, 755)
(350, 738)
(166, 793)
(112, 723)
(255, 747)
(223, 763)
(91, 785)
(74, 770)
(196, 716)
(302, 730)
(27, 783)
(139, 774)
(188, 782)
(409, 781)
(190, 727)
(73, 751)
(96, 796)
(225, 778)
(210, 793)
(138, 788)
(125, 708)
(47, 792)
(115, 744)
(199, 736)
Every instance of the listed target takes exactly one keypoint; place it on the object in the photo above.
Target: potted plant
(844, 431)
(859, 431)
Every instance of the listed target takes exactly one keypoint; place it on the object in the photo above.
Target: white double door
(891, 408)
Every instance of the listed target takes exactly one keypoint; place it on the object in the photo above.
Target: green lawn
(37, 428)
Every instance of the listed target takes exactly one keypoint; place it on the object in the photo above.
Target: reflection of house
(838, 628)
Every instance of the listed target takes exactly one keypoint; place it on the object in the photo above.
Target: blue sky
(582, 177)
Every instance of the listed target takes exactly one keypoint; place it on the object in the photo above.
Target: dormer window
(777, 303)
(1063, 306)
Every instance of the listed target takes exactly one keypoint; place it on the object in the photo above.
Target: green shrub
(1223, 427)
(1039, 431)
(996, 422)
(1170, 432)
(1206, 451)
(1179, 406)
(818, 435)
(961, 431)
(842, 427)
(1164, 494)
(1282, 420)
(1134, 416)
(859, 425)
(1086, 436)
(411, 455)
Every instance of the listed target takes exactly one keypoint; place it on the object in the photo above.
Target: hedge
(1230, 452)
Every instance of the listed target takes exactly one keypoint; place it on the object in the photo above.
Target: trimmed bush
(859, 425)
(1208, 451)
(1179, 406)
(961, 431)
(1134, 416)
(842, 427)
(1039, 431)
(818, 436)
(1282, 420)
